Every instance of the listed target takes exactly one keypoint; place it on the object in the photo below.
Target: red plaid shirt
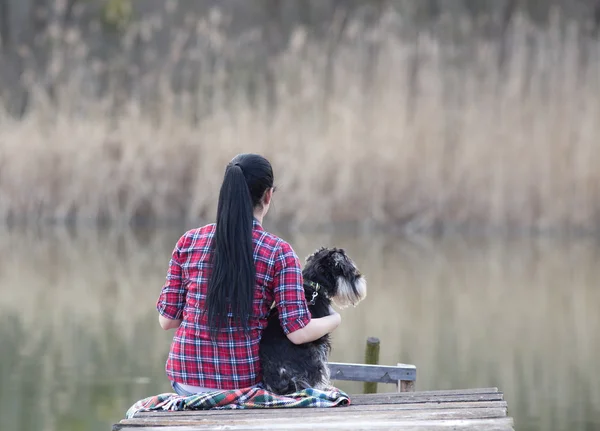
(231, 361)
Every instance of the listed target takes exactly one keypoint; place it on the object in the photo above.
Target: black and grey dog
(329, 275)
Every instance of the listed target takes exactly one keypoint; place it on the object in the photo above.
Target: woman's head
(258, 174)
(247, 188)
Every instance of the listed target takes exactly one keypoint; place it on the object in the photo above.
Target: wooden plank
(415, 397)
(499, 424)
(406, 385)
(274, 414)
(462, 409)
(372, 373)
(323, 416)
(392, 399)
(371, 358)
(352, 408)
(448, 392)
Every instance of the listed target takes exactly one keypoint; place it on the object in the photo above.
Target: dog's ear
(339, 256)
(313, 256)
(343, 263)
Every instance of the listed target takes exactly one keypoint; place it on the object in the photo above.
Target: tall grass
(379, 128)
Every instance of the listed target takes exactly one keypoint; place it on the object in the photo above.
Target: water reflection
(80, 340)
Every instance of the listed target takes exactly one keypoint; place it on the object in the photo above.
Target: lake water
(80, 341)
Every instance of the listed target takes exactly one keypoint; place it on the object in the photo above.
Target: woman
(221, 283)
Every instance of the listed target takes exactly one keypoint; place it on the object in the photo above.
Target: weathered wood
(371, 358)
(372, 373)
(351, 408)
(450, 392)
(365, 423)
(322, 415)
(460, 409)
(405, 385)
(406, 398)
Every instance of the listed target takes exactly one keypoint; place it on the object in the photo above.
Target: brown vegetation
(378, 128)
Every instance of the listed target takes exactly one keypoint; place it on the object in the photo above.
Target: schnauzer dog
(329, 275)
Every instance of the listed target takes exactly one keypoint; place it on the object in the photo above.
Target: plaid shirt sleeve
(172, 296)
(289, 292)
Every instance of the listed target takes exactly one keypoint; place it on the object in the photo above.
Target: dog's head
(337, 273)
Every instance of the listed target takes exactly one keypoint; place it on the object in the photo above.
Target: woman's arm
(290, 301)
(315, 329)
(172, 296)
(167, 323)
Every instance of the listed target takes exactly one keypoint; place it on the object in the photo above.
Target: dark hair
(232, 281)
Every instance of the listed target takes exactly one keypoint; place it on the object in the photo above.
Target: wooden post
(371, 358)
(406, 385)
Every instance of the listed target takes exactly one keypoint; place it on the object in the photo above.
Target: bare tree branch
(597, 19)
(5, 35)
(304, 9)
(507, 17)
(68, 16)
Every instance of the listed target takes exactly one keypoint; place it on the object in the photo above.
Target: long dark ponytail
(232, 282)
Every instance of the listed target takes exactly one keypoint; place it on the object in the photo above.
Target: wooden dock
(469, 409)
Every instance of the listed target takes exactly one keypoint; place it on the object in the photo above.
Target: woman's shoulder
(276, 243)
(207, 229)
(192, 236)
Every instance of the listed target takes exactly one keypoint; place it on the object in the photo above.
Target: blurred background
(450, 146)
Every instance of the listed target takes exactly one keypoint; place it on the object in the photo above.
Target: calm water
(80, 341)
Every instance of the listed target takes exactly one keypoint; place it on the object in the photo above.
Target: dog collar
(314, 285)
(317, 287)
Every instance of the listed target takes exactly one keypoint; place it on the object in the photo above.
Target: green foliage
(117, 14)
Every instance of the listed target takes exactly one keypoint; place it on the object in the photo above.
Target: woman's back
(230, 360)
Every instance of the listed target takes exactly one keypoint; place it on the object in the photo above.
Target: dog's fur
(287, 367)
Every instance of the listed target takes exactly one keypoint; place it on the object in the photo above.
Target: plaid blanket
(250, 398)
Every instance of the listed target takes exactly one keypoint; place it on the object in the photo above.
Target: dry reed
(419, 133)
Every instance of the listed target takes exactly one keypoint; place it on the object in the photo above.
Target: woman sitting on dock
(221, 282)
